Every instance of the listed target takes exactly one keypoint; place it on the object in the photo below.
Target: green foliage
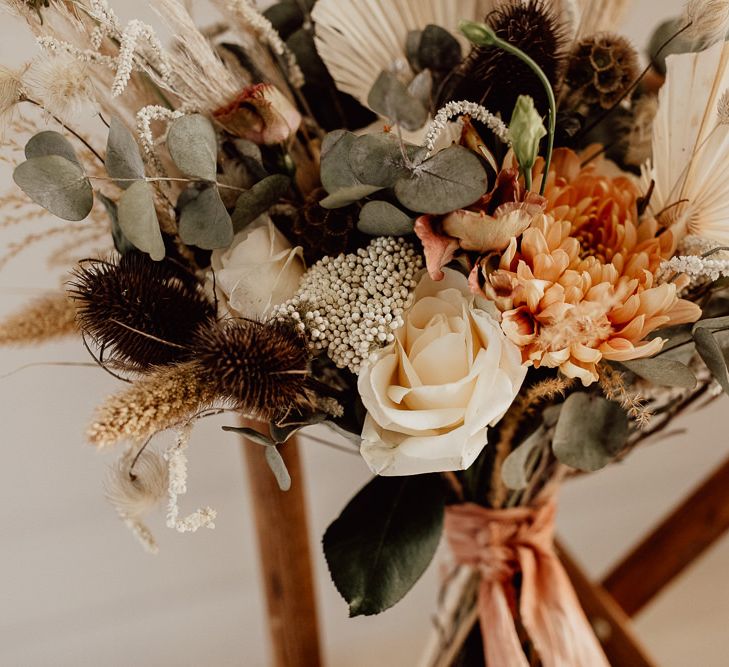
(259, 199)
(438, 49)
(204, 221)
(516, 468)
(122, 244)
(123, 160)
(662, 371)
(390, 98)
(56, 183)
(379, 218)
(526, 130)
(138, 219)
(278, 468)
(50, 143)
(591, 431)
(384, 539)
(193, 146)
(710, 349)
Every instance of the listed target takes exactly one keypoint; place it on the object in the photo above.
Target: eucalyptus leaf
(258, 199)
(438, 49)
(412, 44)
(49, 142)
(282, 432)
(250, 434)
(421, 87)
(204, 221)
(390, 98)
(57, 184)
(353, 438)
(336, 174)
(278, 468)
(453, 178)
(515, 469)
(384, 539)
(710, 350)
(591, 432)
(123, 160)
(380, 218)
(347, 196)
(138, 220)
(122, 244)
(377, 159)
(193, 146)
(662, 371)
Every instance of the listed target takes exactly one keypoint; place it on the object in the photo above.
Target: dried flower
(350, 305)
(600, 70)
(12, 90)
(722, 108)
(145, 312)
(62, 85)
(639, 148)
(136, 487)
(494, 78)
(263, 368)
(165, 398)
(41, 320)
(581, 286)
(709, 20)
(260, 113)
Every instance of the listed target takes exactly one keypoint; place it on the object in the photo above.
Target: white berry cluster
(351, 304)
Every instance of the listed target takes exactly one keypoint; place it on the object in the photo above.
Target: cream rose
(259, 271)
(432, 394)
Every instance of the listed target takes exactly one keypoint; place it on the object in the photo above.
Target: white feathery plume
(177, 471)
(200, 78)
(357, 39)
(709, 20)
(12, 89)
(476, 111)
(690, 146)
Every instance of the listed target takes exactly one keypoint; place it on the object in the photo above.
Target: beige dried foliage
(613, 386)
(43, 319)
(167, 397)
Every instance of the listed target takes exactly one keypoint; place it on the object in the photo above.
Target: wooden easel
(281, 522)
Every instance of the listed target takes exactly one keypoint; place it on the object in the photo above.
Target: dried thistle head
(144, 312)
(263, 367)
(494, 78)
(601, 69)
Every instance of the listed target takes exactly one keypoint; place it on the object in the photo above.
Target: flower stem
(481, 35)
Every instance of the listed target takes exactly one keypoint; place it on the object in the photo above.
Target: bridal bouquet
(470, 236)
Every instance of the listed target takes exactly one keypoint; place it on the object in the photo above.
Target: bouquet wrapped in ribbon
(473, 237)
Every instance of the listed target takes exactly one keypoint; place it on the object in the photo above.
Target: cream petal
(443, 360)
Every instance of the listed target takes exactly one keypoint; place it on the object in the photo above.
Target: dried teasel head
(262, 367)
(494, 78)
(143, 312)
(601, 69)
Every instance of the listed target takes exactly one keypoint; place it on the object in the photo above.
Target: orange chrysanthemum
(581, 287)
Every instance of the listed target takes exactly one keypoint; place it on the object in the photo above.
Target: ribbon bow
(499, 543)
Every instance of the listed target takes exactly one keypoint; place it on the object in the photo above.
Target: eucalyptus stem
(151, 179)
(481, 35)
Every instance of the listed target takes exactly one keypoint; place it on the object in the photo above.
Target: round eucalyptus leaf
(204, 221)
(380, 218)
(515, 469)
(49, 142)
(453, 178)
(662, 371)
(121, 242)
(123, 160)
(389, 97)
(438, 49)
(347, 196)
(336, 173)
(193, 146)
(138, 220)
(377, 159)
(259, 199)
(57, 184)
(591, 431)
(278, 468)
(421, 87)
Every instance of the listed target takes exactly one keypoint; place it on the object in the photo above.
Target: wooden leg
(283, 541)
(610, 622)
(682, 537)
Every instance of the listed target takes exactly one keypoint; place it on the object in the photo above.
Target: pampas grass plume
(43, 319)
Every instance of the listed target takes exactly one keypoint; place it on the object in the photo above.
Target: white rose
(259, 271)
(432, 394)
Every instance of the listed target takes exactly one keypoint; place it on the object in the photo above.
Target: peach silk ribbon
(500, 543)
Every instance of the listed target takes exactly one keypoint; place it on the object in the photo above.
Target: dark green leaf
(662, 371)
(278, 468)
(205, 222)
(336, 174)
(390, 98)
(384, 540)
(138, 220)
(438, 49)
(312, 66)
(251, 434)
(193, 146)
(282, 432)
(347, 196)
(379, 218)
(376, 159)
(421, 87)
(122, 244)
(123, 160)
(710, 351)
(50, 143)
(259, 199)
(57, 184)
(453, 178)
(412, 44)
(516, 468)
(591, 432)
